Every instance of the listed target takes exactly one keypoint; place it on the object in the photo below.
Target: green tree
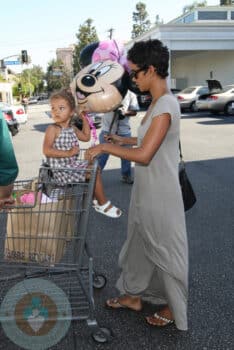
(226, 2)
(29, 82)
(158, 20)
(57, 76)
(141, 23)
(194, 5)
(32, 80)
(87, 34)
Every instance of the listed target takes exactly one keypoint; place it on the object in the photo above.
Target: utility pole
(110, 31)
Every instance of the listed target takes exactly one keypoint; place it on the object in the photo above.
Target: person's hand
(74, 151)
(94, 151)
(114, 139)
(4, 202)
(82, 116)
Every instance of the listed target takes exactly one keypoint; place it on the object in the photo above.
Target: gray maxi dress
(154, 257)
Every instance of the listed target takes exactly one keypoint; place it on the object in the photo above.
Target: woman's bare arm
(120, 140)
(145, 152)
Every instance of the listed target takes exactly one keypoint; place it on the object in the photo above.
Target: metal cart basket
(48, 276)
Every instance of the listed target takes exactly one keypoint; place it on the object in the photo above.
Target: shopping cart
(47, 274)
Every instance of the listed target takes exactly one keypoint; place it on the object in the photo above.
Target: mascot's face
(94, 87)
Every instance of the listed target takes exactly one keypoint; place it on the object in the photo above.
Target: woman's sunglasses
(134, 73)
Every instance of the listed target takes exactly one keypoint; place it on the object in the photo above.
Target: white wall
(6, 92)
(195, 68)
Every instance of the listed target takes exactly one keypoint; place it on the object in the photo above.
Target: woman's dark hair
(150, 52)
(66, 95)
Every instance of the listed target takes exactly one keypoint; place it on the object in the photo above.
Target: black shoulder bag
(188, 194)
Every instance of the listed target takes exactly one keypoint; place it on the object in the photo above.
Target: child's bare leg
(99, 190)
(104, 206)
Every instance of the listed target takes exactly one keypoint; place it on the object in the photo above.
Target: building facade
(201, 44)
(66, 56)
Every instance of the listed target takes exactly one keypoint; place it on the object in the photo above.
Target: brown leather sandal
(152, 320)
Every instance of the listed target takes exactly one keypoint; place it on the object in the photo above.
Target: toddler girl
(61, 148)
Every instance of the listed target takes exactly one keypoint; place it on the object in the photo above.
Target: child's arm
(48, 149)
(85, 133)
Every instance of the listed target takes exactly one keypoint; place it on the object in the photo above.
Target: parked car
(222, 101)
(43, 96)
(187, 98)
(189, 95)
(33, 100)
(145, 100)
(17, 111)
(12, 123)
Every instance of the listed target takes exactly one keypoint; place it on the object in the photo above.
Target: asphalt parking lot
(208, 148)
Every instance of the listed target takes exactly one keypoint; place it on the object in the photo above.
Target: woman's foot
(126, 302)
(107, 209)
(161, 318)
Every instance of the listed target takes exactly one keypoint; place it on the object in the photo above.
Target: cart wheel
(102, 335)
(99, 281)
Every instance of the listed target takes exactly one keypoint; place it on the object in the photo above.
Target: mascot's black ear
(123, 83)
(86, 54)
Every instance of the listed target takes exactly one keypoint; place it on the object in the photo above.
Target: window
(189, 18)
(212, 15)
(202, 91)
(188, 90)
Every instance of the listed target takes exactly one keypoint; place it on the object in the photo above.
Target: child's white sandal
(112, 212)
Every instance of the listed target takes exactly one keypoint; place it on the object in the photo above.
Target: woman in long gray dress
(154, 257)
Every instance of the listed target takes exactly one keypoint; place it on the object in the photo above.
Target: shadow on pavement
(210, 226)
(41, 127)
(220, 121)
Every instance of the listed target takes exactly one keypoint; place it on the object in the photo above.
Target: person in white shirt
(117, 122)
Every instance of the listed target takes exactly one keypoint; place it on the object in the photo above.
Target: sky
(40, 27)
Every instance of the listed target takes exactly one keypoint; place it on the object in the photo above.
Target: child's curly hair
(66, 95)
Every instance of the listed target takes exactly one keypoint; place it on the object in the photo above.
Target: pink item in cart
(28, 198)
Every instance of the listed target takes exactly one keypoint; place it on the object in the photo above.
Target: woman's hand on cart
(94, 151)
(112, 138)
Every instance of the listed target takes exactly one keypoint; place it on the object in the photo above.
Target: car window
(203, 90)
(188, 90)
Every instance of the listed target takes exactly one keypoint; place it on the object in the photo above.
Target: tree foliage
(140, 19)
(158, 20)
(57, 76)
(194, 5)
(226, 2)
(29, 82)
(87, 34)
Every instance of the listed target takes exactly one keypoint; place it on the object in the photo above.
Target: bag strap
(182, 163)
(181, 156)
(114, 118)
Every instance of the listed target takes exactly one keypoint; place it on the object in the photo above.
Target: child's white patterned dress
(65, 141)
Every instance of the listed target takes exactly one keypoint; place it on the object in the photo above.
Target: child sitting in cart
(61, 148)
